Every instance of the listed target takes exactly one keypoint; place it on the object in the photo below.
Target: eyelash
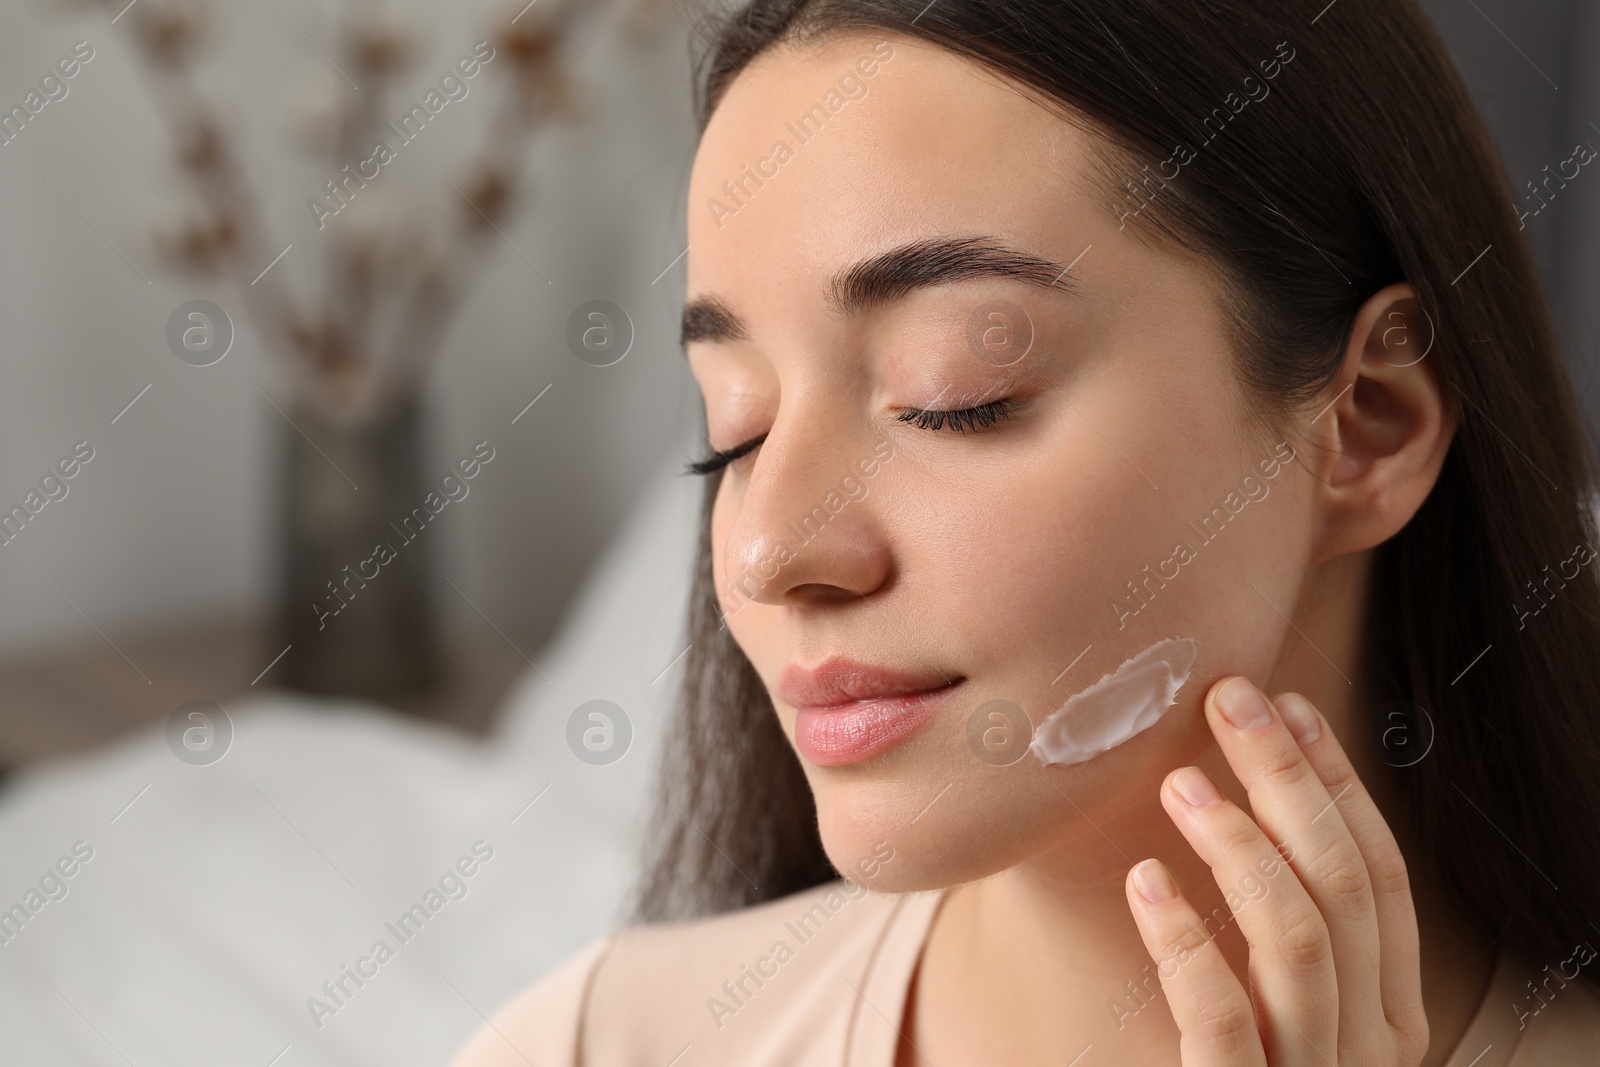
(717, 460)
(981, 415)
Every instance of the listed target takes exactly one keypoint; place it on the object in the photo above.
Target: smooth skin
(994, 555)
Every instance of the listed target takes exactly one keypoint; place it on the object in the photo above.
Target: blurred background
(240, 351)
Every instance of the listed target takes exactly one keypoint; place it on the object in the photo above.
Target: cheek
(1023, 557)
(1085, 546)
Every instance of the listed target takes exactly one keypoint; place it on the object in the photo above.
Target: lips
(848, 712)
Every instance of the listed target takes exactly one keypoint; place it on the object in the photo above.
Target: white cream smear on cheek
(1125, 702)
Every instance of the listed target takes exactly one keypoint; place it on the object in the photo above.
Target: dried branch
(334, 358)
(540, 88)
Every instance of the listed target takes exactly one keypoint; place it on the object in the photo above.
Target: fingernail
(1195, 788)
(1300, 717)
(1243, 705)
(1153, 882)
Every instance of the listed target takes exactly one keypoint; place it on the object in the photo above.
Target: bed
(233, 913)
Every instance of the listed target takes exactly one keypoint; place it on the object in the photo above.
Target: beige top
(820, 978)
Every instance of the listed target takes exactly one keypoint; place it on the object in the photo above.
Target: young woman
(1072, 369)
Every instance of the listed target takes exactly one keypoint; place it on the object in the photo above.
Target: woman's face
(878, 226)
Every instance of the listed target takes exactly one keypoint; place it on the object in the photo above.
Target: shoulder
(647, 991)
(540, 1025)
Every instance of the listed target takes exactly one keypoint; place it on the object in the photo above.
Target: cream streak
(1125, 702)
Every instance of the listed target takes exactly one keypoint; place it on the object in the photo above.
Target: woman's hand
(1334, 976)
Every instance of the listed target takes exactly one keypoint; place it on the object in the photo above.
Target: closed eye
(973, 417)
(717, 460)
(982, 415)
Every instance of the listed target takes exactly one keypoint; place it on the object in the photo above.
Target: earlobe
(1386, 426)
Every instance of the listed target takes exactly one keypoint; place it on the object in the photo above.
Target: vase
(355, 607)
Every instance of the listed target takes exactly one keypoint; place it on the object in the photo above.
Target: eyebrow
(889, 276)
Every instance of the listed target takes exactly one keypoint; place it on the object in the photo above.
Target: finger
(1296, 810)
(1291, 957)
(1400, 984)
(1215, 1016)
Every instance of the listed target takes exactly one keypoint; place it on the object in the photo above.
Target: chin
(965, 843)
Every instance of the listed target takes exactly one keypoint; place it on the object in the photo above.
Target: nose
(809, 523)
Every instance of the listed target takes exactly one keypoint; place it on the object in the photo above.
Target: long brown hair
(1364, 165)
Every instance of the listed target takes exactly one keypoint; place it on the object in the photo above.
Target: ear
(1380, 431)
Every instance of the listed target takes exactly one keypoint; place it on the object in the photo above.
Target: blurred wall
(173, 517)
(1531, 68)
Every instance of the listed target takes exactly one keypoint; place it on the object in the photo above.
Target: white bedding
(217, 903)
